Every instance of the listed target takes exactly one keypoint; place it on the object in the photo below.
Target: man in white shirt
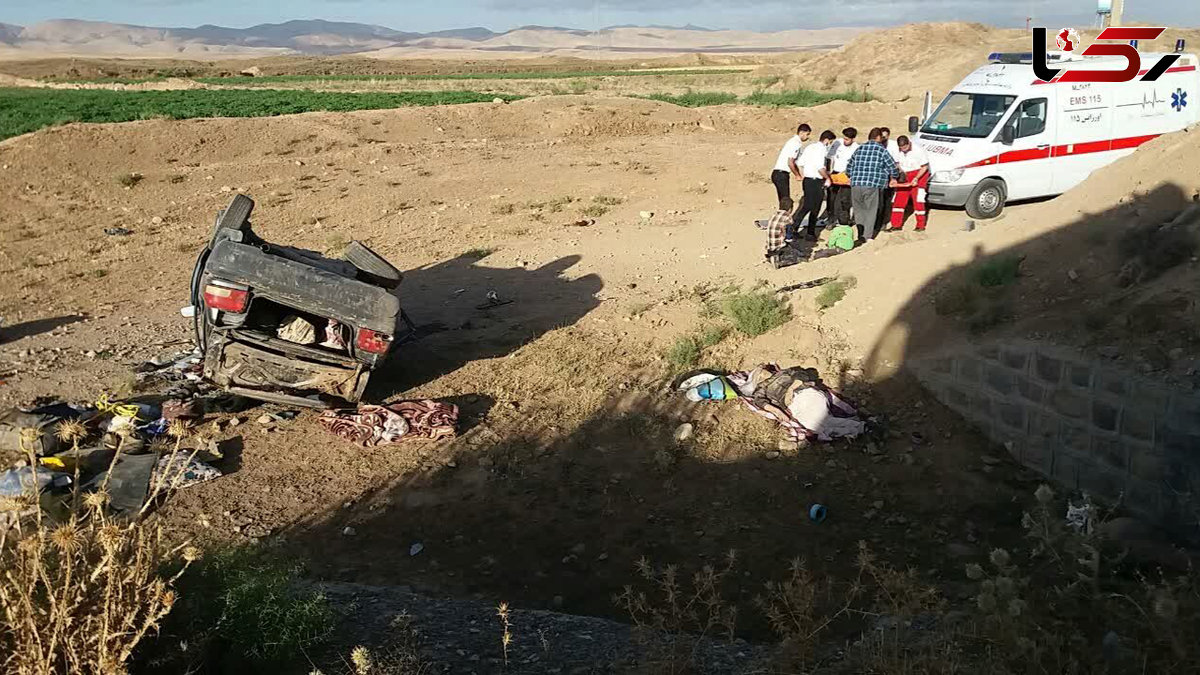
(785, 165)
(841, 152)
(814, 176)
(914, 162)
(893, 146)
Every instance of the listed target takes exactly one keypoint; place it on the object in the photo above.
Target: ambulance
(1003, 135)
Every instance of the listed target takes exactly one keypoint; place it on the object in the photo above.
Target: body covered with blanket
(795, 398)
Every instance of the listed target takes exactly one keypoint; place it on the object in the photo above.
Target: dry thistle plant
(672, 620)
(506, 635)
(793, 607)
(900, 593)
(78, 596)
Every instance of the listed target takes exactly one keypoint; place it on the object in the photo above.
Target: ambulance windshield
(968, 115)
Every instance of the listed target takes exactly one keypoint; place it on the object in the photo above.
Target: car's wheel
(987, 199)
(236, 216)
(373, 265)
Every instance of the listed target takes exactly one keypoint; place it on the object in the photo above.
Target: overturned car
(292, 326)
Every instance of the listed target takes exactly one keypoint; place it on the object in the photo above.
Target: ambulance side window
(1029, 118)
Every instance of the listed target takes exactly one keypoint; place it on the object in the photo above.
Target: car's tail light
(372, 341)
(225, 298)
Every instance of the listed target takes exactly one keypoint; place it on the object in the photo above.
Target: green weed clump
(755, 312)
(242, 605)
(686, 351)
(999, 271)
(695, 99)
(796, 98)
(833, 292)
(981, 296)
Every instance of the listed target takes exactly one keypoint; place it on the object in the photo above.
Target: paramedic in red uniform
(915, 164)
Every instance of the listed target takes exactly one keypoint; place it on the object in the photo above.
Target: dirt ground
(565, 472)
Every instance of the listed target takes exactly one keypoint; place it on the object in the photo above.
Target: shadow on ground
(449, 301)
(559, 520)
(35, 327)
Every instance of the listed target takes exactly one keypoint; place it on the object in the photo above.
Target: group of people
(852, 181)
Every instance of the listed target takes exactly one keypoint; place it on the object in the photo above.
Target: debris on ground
(372, 425)
(493, 300)
(135, 450)
(117, 231)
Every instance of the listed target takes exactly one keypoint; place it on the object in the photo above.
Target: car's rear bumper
(948, 195)
(276, 366)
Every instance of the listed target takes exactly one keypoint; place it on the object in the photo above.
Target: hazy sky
(426, 15)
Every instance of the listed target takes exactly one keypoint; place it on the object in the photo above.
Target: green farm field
(23, 110)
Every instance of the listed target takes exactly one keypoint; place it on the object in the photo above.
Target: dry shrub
(79, 595)
(672, 619)
(793, 609)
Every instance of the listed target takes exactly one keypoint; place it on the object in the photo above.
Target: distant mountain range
(77, 37)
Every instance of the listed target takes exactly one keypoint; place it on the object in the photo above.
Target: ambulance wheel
(987, 199)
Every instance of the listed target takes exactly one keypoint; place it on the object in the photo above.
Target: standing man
(839, 183)
(893, 149)
(871, 170)
(814, 176)
(914, 162)
(785, 166)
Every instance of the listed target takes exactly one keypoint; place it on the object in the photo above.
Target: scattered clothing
(373, 425)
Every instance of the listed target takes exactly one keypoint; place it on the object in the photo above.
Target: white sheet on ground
(810, 407)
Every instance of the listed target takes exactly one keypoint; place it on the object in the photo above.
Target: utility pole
(1118, 6)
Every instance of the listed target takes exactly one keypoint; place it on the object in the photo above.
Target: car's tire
(236, 216)
(987, 199)
(373, 265)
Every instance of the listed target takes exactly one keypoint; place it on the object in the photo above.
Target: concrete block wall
(1084, 423)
